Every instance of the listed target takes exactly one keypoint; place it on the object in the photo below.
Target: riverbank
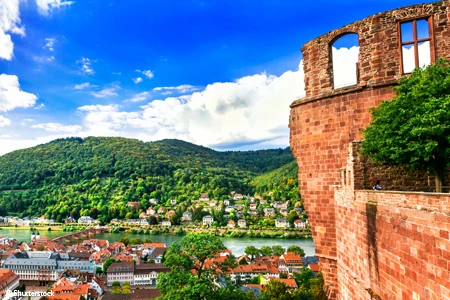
(289, 233)
(38, 227)
(237, 245)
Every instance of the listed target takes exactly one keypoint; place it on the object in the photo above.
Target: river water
(237, 245)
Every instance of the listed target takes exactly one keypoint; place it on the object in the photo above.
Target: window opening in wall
(345, 51)
(416, 41)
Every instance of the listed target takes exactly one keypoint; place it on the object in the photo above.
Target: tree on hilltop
(413, 129)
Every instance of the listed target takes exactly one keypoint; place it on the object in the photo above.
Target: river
(237, 245)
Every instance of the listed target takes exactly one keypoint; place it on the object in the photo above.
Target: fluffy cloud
(139, 97)
(86, 66)
(4, 121)
(49, 42)
(9, 23)
(106, 92)
(42, 59)
(137, 80)
(58, 127)
(249, 113)
(98, 108)
(148, 73)
(82, 86)
(47, 6)
(252, 110)
(11, 96)
(344, 66)
(184, 88)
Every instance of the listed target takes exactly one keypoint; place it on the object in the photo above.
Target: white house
(208, 220)
(187, 216)
(153, 201)
(242, 223)
(238, 196)
(86, 220)
(300, 224)
(282, 223)
(166, 223)
(173, 201)
(226, 202)
(147, 274)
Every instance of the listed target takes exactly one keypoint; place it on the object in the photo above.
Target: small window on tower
(416, 41)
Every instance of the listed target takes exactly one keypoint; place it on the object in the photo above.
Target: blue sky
(217, 73)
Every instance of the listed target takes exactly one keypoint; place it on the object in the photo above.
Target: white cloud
(249, 113)
(184, 88)
(47, 6)
(106, 92)
(251, 110)
(4, 121)
(82, 86)
(117, 73)
(139, 97)
(49, 42)
(42, 59)
(58, 127)
(98, 108)
(9, 23)
(137, 80)
(409, 62)
(344, 66)
(11, 96)
(148, 73)
(40, 106)
(25, 121)
(86, 66)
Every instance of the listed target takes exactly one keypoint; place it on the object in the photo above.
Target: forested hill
(104, 173)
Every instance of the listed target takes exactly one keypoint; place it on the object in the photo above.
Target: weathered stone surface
(368, 242)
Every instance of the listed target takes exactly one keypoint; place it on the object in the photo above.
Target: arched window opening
(345, 51)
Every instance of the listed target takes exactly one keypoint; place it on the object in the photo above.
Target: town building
(187, 216)
(242, 223)
(282, 223)
(9, 281)
(43, 268)
(147, 274)
(121, 272)
(204, 197)
(208, 220)
(86, 220)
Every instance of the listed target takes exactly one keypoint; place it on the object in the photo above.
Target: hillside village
(239, 211)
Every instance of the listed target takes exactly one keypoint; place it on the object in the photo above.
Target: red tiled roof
(314, 267)
(287, 281)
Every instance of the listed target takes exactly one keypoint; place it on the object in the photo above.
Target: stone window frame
(416, 41)
(331, 62)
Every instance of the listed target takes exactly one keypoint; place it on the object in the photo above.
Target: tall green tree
(252, 251)
(278, 250)
(297, 250)
(413, 129)
(189, 277)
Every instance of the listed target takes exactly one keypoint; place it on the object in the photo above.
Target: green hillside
(97, 176)
(279, 184)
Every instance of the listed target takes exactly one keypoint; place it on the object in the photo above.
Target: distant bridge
(86, 233)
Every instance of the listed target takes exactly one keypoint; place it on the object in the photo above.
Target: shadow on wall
(371, 216)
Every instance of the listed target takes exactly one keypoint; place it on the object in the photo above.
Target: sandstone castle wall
(388, 245)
